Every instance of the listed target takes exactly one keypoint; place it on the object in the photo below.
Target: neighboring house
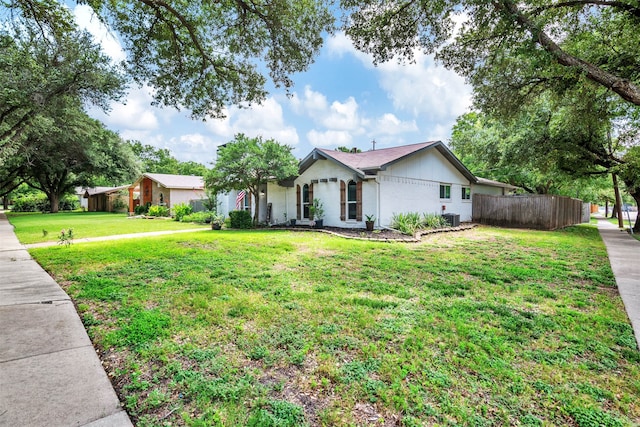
(425, 178)
(80, 192)
(165, 190)
(106, 199)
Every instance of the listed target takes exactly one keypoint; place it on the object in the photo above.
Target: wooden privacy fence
(543, 212)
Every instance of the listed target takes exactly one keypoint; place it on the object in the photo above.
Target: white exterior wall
(281, 199)
(175, 196)
(329, 193)
(413, 185)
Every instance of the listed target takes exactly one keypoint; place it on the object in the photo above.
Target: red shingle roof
(375, 159)
(368, 162)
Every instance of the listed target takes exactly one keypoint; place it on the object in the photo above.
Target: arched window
(305, 201)
(352, 200)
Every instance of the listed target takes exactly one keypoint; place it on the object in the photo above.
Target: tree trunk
(256, 209)
(636, 227)
(54, 201)
(618, 206)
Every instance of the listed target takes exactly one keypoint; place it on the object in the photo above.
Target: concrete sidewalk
(624, 257)
(50, 374)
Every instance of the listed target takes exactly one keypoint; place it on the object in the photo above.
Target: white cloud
(87, 20)
(266, 120)
(339, 45)
(343, 116)
(193, 147)
(421, 88)
(136, 114)
(310, 104)
(425, 89)
(389, 124)
(330, 138)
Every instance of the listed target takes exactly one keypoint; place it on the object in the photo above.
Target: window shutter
(359, 201)
(310, 194)
(343, 201)
(298, 202)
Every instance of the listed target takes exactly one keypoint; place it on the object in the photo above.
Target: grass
(275, 328)
(38, 227)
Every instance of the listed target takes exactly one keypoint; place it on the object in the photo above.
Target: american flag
(239, 199)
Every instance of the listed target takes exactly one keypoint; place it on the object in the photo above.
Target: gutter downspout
(378, 200)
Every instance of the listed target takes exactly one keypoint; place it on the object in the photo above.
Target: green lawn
(38, 227)
(276, 328)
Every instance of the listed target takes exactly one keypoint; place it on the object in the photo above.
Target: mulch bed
(383, 235)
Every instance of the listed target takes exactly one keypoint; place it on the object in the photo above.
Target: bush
(156, 210)
(40, 203)
(411, 222)
(142, 209)
(434, 221)
(407, 223)
(203, 217)
(240, 219)
(119, 204)
(180, 210)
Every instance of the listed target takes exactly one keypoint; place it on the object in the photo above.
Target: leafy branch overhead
(509, 49)
(200, 55)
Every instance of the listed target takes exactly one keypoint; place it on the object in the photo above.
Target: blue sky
(341, 100)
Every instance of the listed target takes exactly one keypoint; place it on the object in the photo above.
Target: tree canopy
(38, 72)
(71, 149)
(199, 55)
(248, 163)
(160, 160)
(509, 49)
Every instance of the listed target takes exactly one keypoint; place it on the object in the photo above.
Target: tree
(629, 172)
(160, 160)
(516, 153)
(70, 149)
(37, 70)
(248, 163)
(509, 49)
(200, 55)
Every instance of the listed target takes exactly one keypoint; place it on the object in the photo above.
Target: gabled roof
(94, 191)
(370, 162)
(188, 182)
(492, 183)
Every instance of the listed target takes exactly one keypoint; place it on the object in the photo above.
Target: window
(466, 193)
(305, 201)
(352, 200)
(445, 191)
(246, 202)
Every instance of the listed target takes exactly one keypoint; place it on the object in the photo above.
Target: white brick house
(425, 177)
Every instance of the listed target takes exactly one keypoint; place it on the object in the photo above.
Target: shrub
(407, 223)
(156, 210)
(434, 221)
(180, 210)
(142, 209)
(119, 203)
(240, 219)
(411, 222)
(203, 217)
(40, 203)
